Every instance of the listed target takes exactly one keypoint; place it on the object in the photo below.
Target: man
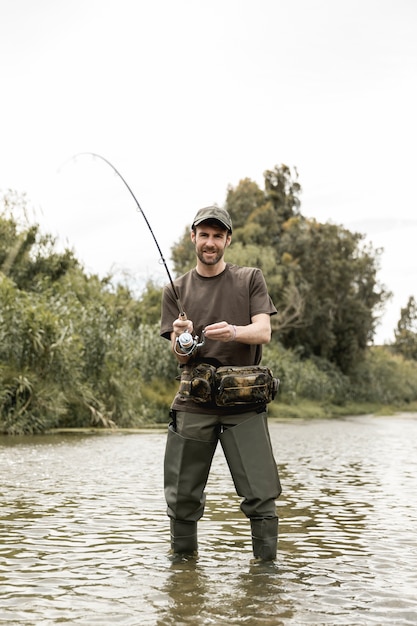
(228, 311)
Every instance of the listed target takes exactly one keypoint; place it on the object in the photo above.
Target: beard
(217, 256)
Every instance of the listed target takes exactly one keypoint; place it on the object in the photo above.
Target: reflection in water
(84, 538)
(205, 593)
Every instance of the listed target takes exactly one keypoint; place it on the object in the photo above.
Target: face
(210, 243)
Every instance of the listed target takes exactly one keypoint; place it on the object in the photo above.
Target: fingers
(218, 326)
(181, 326)
(221, 331)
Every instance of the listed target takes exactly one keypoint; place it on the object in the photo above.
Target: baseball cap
(213, 213)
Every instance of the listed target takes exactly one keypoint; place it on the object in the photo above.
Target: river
(84, 538)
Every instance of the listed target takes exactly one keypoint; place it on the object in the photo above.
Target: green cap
(213, 213)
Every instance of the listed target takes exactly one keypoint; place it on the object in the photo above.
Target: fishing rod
(187, 343)
(139, 208)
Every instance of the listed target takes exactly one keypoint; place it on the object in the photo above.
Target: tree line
(77, 350)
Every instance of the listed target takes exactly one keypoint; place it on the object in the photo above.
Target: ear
(192, 235)
(228, 240)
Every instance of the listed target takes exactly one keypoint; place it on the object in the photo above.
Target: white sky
(186, 97)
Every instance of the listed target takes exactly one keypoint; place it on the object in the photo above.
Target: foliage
(381, 378)
(182, 253)
(74, 350)
(385, 378)
(315, 379)
(406, 333)
(80, 351)
(260, 218)
(336, 277)
(321, 277)
(147, 309)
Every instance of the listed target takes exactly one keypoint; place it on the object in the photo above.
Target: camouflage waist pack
(245, 385)
(228, 386)
(198, 383)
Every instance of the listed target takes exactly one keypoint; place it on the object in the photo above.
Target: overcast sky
(186, 97)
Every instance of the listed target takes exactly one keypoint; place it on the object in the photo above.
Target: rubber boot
(184, 537)
(248, 451)
(264, 538)
(186, 468)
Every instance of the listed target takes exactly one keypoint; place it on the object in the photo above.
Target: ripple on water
(84, 534)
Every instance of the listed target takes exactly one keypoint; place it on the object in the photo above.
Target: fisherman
(223, 390)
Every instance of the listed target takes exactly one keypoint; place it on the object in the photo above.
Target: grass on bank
(309, 409)
(302, 410)
(383, 384)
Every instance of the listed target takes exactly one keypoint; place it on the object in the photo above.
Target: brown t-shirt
(234, 296)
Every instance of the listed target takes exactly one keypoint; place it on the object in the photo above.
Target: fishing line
(98, 156)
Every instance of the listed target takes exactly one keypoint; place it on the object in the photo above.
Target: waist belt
(229, 385)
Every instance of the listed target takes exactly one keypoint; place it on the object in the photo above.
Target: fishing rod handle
(182, 316)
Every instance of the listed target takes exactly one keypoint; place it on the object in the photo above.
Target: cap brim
(214, 219)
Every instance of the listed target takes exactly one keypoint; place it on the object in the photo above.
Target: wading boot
(264, 538)
(184, 538)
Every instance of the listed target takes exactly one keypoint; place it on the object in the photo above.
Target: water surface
(84, 538)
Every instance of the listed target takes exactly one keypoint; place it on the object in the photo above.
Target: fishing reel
(187, 344)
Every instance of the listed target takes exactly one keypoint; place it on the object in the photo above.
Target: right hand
(181, 326)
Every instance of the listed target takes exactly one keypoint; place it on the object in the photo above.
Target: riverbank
(277, 411)
(311, 409)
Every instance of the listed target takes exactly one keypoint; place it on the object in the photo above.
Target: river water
(84, 538)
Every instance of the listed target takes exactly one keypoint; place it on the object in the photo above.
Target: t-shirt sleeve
(261, 301)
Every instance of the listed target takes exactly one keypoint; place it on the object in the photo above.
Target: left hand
(221, 331)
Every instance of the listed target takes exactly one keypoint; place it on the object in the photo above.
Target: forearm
(253, 333)
(257, 332)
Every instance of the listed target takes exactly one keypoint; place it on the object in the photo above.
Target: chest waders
(187, 465)
(248, 451)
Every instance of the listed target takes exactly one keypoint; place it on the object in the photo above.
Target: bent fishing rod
(139, 208)
(187, 343)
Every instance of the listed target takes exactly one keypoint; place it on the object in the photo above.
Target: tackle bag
(198, 383)
(251, 384)
(228, 385)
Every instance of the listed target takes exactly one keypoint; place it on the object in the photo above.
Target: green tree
(245, 199)
(406, 332)
(321, 277)
(182, 253)
(75, 349)
(148, 307)
(257, 218)
(336, 275)
(258, 215)
(27, 255)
